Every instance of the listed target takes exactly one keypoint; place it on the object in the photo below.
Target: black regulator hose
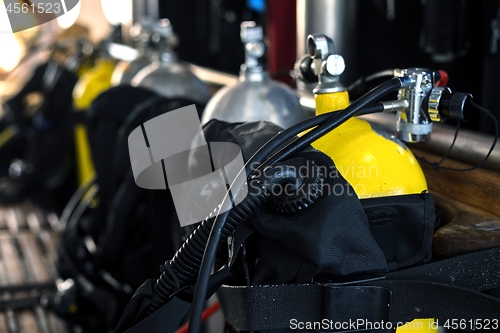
(299, 144)
(281, 138)
(195, 257)
(186, 263)
(337, 119)
(362, 85)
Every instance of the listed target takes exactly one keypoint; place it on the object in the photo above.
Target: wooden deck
(28, 243)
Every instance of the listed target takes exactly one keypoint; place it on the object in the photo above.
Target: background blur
(459, 36)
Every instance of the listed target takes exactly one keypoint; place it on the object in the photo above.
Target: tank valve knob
(443, 104)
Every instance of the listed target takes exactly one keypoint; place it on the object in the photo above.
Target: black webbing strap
(476, 271)
(269, 307)
(445, 289)
(417, 299)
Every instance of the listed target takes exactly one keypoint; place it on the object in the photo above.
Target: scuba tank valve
(255, 96)
(168, 76)
(426, 104)
(143, 35)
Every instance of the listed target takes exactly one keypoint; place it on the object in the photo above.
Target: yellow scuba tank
(90, 85)
(85, 67)
(373, 161)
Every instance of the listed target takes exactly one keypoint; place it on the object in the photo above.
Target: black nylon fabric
(333, 236)
(44, 139)
(104, 118)
(137, 308)
(57, 100)
(403, 227)
(340, 235)
(272, 307)
(248, 136)
(129, 227)
(117, 239)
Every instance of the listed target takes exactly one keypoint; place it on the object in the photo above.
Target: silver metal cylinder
(337, 20)
(255, 97)
(171, 78)
(253, 100)
(125, 71)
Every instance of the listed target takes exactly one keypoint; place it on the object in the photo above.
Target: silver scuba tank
(255, 97)
(168, 76)
(146, 41)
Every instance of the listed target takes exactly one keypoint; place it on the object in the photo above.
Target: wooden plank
(46, 243)
(36, 272)
(20, 215)
(47, 254)
(7, 318)
(26, 320)
(11, 221)
(53, 220)
(11, 259)
(49, 241)
(42, 320)
(28, 246)
(467, 229)
(40, 251)
(468, 204)
(40, 216)
(479, 188)
(3, 223)
(33, 223)
(57, 324)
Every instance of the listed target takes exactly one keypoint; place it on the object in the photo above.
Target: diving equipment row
(335, 222)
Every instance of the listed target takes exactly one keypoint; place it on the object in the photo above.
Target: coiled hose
(183, 269)
(185, 265)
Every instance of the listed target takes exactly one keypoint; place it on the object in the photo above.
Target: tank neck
(253, 74)
(331, 102)
(166, 58)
